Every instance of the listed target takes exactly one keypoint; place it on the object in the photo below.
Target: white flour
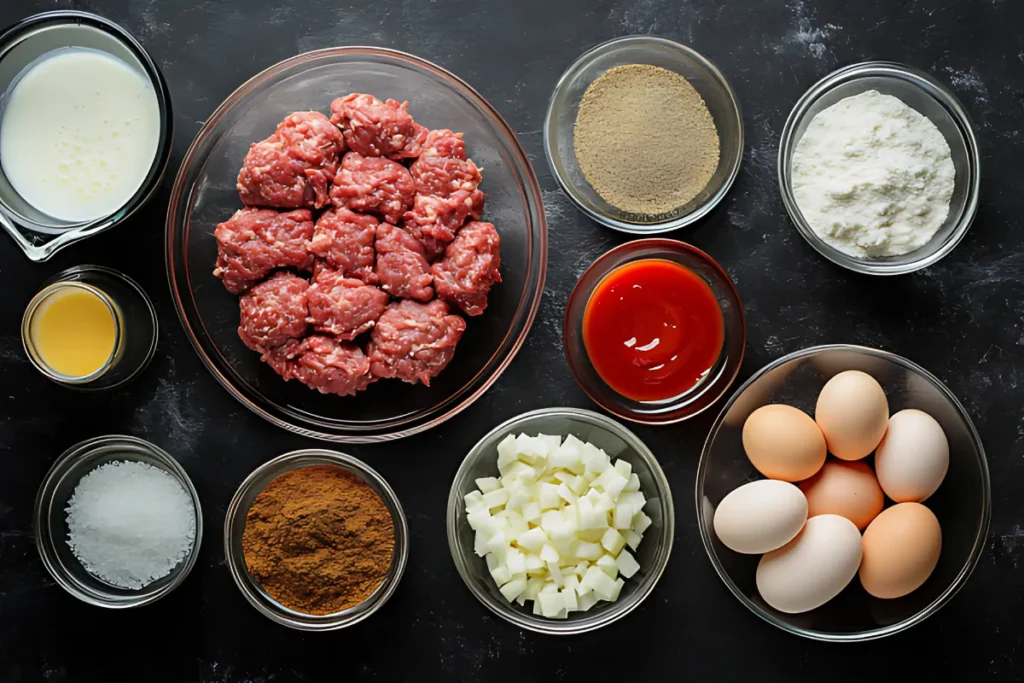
(872, 176)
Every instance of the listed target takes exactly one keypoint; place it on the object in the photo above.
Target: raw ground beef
(378, 129)
(373, 185)
(344, 239)
(323, 364)
(273, 312)
(469, 267)
(402, 268)
(441, 176)
(281, 358)
(333, 368)
(444, 143)
(433, 248)
(294, 167)
(373, 167)
(413, 341)
(441, 217)
(342, 306)
(254, 242)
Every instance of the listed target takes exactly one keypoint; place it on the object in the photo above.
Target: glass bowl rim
(633, 228)
(962, 576)
(64, 464)
(618, 610)
(529, 303)
(672, 246)
(926, 84)
(279, 614)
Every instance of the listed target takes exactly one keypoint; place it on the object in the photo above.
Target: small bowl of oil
(90, 327)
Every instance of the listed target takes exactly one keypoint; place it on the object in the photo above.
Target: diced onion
(553, 527)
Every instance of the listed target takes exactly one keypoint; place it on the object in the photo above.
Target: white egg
(813, 568)
(760, 516)
(913, 458)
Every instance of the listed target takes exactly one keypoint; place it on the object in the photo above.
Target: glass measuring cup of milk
(69, 172)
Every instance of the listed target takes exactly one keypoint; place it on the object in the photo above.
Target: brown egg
(783, 443)
(853, 413)
(848, 489)
(901, 548)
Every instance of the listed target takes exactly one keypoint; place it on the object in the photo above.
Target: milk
(79, 133)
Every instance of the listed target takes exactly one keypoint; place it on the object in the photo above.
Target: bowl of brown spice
(644, 135)
(316, 540)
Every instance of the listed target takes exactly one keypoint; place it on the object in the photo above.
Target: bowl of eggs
(843, 494)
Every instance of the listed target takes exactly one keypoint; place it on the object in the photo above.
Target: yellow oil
(74, 332)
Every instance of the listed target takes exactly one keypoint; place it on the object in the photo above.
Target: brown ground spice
(645, 140)
(318, 539)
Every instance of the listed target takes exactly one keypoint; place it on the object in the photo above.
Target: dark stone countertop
(960, 319)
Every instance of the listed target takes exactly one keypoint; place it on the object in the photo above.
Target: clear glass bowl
(50, 520)
(234, 527)
(136, 325)
(38, 235)
(618, 442)
(721, 375)
(204, 194)
(962, 504)
(701, 74)
(928, 97)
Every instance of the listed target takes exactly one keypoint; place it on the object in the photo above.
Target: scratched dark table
(960, 319)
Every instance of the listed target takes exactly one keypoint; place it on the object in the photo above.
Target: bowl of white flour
(879, 168)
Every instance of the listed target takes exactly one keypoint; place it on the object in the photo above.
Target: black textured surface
(960, 319)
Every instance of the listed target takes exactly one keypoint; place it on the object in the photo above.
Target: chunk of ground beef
(469, 267)
(323, 364)
(441, 217)
(402, 267)
(433, 248)
(413, 341)
(343, 307)
(373, 185)
(281, 359)
(274, 311)
(442, 176)
(378, 129)
(295, 166)
(254, 242)
(344, 239)
(444, 143)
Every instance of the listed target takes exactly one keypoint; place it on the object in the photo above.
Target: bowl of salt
(118, 522)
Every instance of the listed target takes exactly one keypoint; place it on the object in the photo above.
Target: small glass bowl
(50, 520)
(928, 97)
(234, 527)
(618, 442)
(722, 374)
(135, 321)
(38, 235)
(962, 504)
(703, 75)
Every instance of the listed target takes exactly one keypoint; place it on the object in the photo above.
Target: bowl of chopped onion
(560, 521)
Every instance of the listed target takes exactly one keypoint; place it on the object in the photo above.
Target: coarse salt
(130, 523)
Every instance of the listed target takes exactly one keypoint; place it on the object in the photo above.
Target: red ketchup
(653, 330)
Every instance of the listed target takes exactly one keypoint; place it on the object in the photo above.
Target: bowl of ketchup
(655, 331)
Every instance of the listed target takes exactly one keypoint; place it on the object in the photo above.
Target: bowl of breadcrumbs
(644, 135)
